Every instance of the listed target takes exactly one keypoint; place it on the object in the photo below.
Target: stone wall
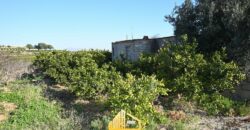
(131, 49)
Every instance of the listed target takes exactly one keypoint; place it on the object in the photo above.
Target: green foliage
(100, 123)
(33, 110)
(43, 46)
(215, 24)
(181, 69)
(89, 75)
(216, 104)
(218, 75)
(189, 73)
(151, 125)
(145, 65)
(179, 66)
(49, 47)
(84, 72)
(29, 46)
(183, 18)
(1, 108)
(136, 96)
(96, 124)
(178, 125)
(244, 110)
(126, 66)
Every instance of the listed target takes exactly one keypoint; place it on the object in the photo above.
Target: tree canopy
(40, 46)
(215, 24)
(29, 46)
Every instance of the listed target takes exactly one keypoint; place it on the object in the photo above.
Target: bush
(187, 72)
(145, 65)
(100, 123)
(84, 72)
(216, 104)
(89, 75)
(244, 110)
(190, 73)
(183, 71)
(126, 66)
(195, 76)
(136, 96)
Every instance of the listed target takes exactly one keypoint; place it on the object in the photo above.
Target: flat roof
(133, 40)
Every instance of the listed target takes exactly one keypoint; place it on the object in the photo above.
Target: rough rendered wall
(131, 49)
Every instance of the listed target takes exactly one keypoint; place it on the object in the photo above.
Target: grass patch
(33, 110)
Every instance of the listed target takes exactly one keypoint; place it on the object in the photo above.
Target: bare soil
(7, 108)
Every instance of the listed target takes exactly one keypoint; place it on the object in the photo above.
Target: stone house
(131, 49)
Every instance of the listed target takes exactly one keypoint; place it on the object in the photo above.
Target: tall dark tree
(215, 24)
(183, 19)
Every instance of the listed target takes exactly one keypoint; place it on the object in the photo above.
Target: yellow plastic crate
(119, 122)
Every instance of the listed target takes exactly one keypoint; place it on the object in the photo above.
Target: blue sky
(82, 24)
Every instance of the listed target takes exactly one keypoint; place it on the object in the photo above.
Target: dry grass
(177, 115)
(12, 67)
(6, 109)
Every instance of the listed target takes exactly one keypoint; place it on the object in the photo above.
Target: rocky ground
(224, 123)
(200, 120)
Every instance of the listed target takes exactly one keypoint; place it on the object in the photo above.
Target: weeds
(33, 110)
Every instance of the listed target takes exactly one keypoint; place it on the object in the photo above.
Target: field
(86, 89)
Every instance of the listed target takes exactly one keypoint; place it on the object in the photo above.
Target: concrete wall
(132, 49)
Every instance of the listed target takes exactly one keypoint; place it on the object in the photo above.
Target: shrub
(89, 75)
(244, 110)
(179, 66)
(184, 71)
(84, 72)
(218, 75)
(145, 65)
(91, 82)
(216, 104)
(189, 73)
(136, 96)
(100, 123)
(126, 66)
